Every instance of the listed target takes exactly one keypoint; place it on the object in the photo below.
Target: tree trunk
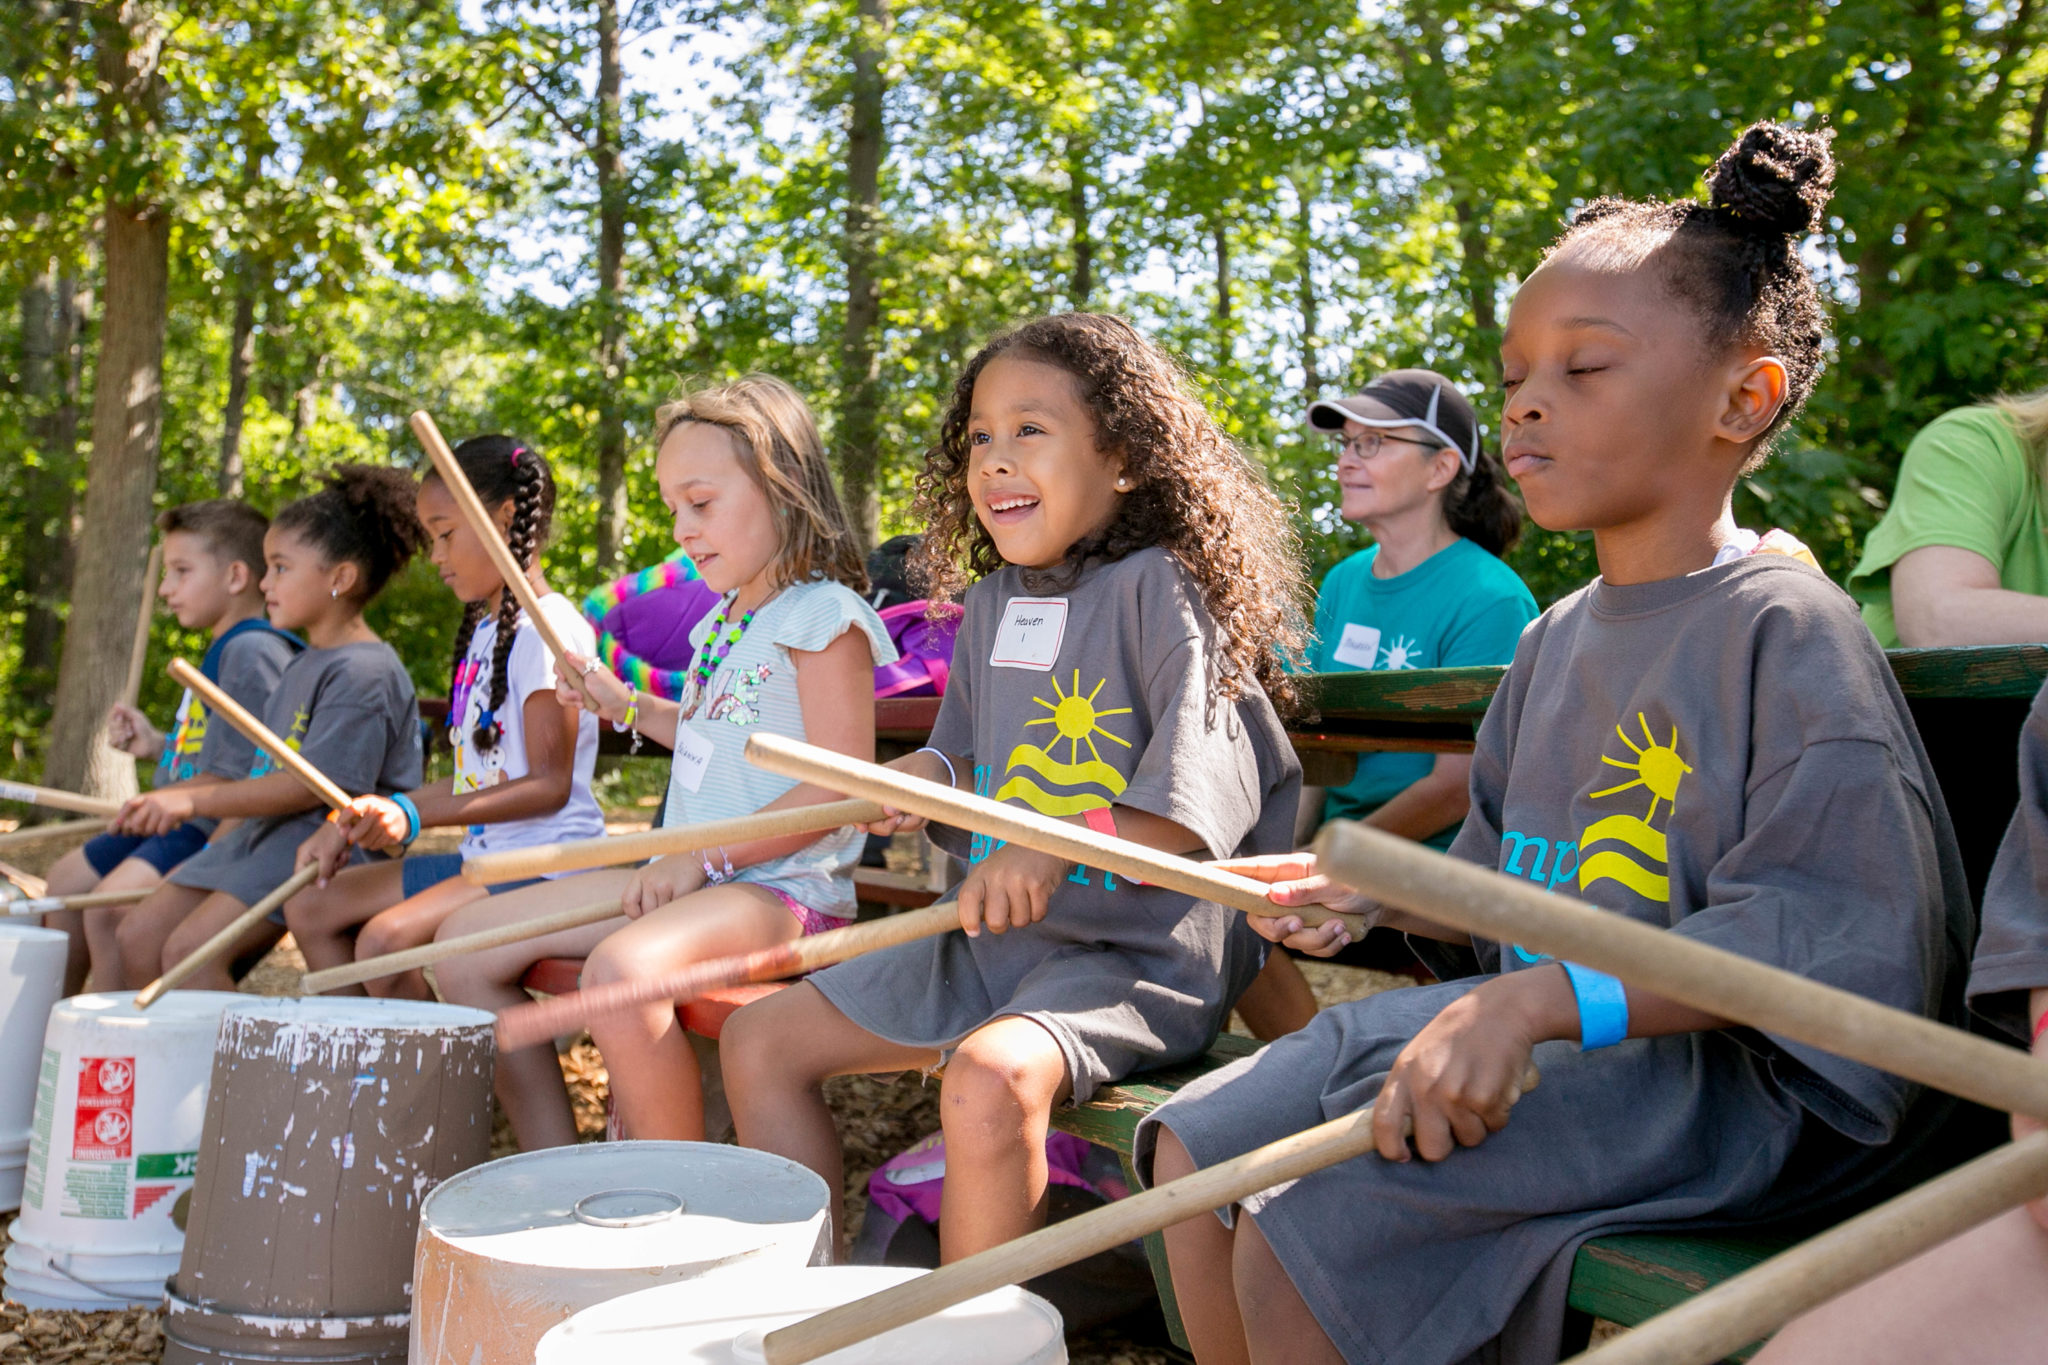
(606, 155)
(1480, 283)
(49, 384)
(1082, 282)
(1305, 264)
(126, 424)
(241, 361)
(859, 352)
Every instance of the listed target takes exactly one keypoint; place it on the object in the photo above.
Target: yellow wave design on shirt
(1619, 867)
(1066, 774)
(1637, 834)
(1047, 803)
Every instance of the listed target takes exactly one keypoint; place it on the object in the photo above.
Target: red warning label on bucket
(103, 1127)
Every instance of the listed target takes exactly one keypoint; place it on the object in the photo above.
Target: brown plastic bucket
(328, 1122)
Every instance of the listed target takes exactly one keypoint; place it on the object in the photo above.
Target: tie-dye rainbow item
(606, 611)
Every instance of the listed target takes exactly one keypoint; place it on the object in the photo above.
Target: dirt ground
(878, 1117)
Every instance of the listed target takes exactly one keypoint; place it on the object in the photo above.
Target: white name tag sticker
(1030, 634)
(693, 759)
(1359, 647)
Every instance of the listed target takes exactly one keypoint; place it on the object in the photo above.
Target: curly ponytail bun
(1775, 179)
(364, 516)
(503, 469)
(1734, 261)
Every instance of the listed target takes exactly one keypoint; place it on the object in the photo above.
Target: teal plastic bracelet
(412, 815)
(1603, 1007)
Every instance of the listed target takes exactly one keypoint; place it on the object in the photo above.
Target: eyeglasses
(1373, 442)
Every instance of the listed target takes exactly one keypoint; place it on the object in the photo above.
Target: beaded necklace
(719, 642)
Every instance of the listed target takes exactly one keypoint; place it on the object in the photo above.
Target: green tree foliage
(432, 205)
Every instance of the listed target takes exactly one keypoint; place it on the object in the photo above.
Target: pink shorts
(813, 921)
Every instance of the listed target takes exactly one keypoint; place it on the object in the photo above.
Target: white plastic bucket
(31, 979)
(719, 1319)
(118, 1109)
(511, 1248)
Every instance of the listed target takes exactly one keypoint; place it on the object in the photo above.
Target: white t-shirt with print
(528, 669)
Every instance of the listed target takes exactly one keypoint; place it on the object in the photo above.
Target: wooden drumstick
(492, 539)
(281, 753)
(518, 864)
(56, 829)
(226, 938)
(948, 805)
(86, 900)
(57, 799)
(391, 964)
(138, 651)
(1765, 1297)
(1489, 904)
(526, 1025)
(1064, 1243)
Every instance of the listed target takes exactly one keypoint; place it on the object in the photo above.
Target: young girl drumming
(1704, 738)
(345, 704)
(791, 648)
(1138, 594)
(522, 765)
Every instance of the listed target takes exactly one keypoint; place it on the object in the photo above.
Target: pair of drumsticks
(1398, 873)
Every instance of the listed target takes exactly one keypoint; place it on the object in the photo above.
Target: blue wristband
(1603, 1006)
(412, 814)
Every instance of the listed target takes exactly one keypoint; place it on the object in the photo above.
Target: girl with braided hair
(522, 764)
(1705, 739)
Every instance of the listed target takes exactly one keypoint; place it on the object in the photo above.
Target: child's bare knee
(996, 1084)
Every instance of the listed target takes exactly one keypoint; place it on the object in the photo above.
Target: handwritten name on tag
(1359, 647)
(1030, 634)
(693, 758)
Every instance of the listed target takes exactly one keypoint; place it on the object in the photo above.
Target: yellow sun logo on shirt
(1078, 720)
(1656, 766)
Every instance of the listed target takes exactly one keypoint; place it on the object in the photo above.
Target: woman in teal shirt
(1429, 592)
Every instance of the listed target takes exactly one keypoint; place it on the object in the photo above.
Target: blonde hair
(2028, 413)
(777, 442)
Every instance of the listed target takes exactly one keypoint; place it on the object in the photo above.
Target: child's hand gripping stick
(518, 864)
(526, 1025)
(1508, 909)
(489, 536)
(291, 761)
(936, 801)
(1098, 1230)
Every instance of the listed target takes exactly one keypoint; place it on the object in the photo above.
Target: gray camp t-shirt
(1102, 694)
(351, 713)
(1727, 754)
(2012, 950)
(250, 666)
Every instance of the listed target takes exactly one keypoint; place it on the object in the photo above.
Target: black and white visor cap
(1422, 398)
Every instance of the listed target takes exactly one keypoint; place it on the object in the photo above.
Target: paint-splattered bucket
(328, 1124)
(31, 979)
(721, 1318)
(508, 1250)
(119, 1101)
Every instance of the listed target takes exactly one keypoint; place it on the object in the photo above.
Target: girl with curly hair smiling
(1135, 596)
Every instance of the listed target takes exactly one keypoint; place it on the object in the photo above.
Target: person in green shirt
(1962, 556)
(1429, 592)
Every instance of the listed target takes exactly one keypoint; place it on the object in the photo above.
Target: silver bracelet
(952, 778)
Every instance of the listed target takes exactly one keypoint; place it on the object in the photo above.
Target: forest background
(241, 239)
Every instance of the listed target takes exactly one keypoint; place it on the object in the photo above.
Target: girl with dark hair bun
(522, 765)
(1705, 740)
(345, 704)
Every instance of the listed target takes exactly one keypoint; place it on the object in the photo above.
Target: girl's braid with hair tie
(523, 538)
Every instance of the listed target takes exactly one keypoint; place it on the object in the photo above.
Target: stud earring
(334, 592)
(1122, 483)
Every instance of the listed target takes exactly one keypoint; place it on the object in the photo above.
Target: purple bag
(926, 647)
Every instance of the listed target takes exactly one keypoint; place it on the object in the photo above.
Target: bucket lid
(719, 1319)
(343, 1013)
(620, 1205)
(118, 1009)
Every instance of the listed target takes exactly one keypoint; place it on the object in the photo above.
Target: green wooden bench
(1968, 704)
